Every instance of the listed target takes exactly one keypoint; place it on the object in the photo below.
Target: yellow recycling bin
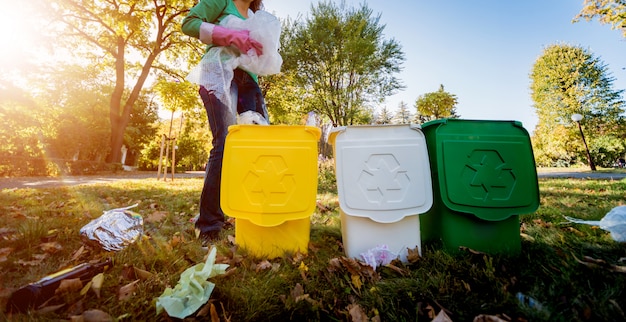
(269, 185)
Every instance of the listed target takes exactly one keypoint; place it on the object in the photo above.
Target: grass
(556, 266)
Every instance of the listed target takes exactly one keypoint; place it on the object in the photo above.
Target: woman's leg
(249, 96)
(211, 217)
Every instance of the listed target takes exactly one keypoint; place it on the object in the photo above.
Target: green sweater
(211, 11)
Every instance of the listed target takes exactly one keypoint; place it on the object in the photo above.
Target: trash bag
(114, 230)
(216, 69)
(251, 117)
(614, 222)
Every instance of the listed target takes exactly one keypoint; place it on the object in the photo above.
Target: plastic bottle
(35, 294)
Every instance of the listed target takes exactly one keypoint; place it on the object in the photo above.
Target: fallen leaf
(263, 265)
(357, 314)
(214, 316)
(204, 310)
(51, 247)
(442, 317)
(467, 249)
(69, 286)
(396, 269)
(78, 253)
(96, 283)
(94, 315)
(176, 240)
(297, 291)
(127, 291)
(4, 252)
(356, 281)
(486, 318)
(85, 288)
(142, 274)
(47, 309)
(155, 216)
(231, 239)
(413, 255)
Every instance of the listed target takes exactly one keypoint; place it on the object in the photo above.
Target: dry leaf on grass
(127, 291)
(488, 318)
(37, 261)
(264, 265)
(92, 316)
(413, 255)
(96, 283)
(142, 274)
(48, 309)
(155, 216)
(357, 314)
(69, 286)
(214, 316)
(78, 253)
(176, 240)
(51, 247)
(4, 252)
(442, 317)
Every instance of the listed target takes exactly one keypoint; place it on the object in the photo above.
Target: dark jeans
(249, 98)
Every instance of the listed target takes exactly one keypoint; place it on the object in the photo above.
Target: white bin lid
(383, 171)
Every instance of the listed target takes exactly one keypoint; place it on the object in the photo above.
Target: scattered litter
(193, 288)
(378, 256)
(115, 229)
(614, 222)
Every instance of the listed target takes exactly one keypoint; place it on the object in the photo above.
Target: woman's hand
(238, 38)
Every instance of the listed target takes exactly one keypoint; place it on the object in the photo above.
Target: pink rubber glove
(238, 38)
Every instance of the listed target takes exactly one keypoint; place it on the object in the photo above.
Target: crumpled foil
(115, 229)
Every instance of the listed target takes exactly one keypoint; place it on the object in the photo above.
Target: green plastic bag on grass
(193, 288)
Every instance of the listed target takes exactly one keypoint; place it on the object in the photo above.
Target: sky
(481, 51)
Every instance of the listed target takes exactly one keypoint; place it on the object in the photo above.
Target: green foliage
(339, 58)
(326, 179)
(436, 105)
(568, 80)
(611, 12)
(606, 150)
(286, 102)
(144, 28)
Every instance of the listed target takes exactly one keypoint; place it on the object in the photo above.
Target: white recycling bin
(384, 184)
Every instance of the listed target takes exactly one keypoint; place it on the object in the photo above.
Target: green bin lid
(485, 168)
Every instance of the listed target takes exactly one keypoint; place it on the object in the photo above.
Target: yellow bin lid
(269, 173)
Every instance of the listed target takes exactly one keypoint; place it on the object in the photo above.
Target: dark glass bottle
(35, 294)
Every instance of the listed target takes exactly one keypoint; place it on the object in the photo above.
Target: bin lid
(382, 171)
(269, 173)
(485, 168)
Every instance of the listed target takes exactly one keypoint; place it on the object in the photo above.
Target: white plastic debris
(378, 256)
(251, 117)
(614, 222)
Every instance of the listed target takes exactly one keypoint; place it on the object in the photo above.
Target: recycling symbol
(269, 182)
(487, 176)
(383, 179)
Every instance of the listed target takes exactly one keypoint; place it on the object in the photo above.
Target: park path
(50, 182)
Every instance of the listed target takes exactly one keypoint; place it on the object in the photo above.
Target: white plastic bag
(251, 117)
(216, 69)
(378, 256)
(614, 222)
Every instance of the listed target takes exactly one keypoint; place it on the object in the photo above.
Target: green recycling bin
(484, 177)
